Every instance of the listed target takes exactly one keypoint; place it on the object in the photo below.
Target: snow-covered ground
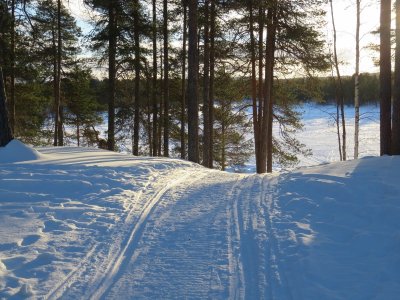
(81, 223)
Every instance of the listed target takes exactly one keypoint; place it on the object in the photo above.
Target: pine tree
(55, 35)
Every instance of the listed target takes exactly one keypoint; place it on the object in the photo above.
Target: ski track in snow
(81, 225)
(151, 245)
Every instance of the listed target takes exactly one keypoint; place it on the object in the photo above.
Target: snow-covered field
(81, 223)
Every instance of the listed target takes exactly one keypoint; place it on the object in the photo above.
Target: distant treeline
(369, 89)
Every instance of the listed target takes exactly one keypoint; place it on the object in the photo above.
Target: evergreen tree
(61, 46)
(82, 109)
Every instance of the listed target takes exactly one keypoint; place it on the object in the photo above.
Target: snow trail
(116, 266)
(78, 224)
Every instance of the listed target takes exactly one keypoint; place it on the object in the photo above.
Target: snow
(78, 223)
(16, 152)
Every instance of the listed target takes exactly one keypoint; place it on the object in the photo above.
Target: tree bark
(166, 80)
(137, 78)
(12, 75)
(55, 87)
(183, 100)
(192, 94)
(385, 77)
(58, 78)
(396, 89)
(206, 87)
(357, 83)
(261, 166)
(212, 77)
(154, 85)
(112, 46)
(269, 81)
(254, 87)
(6, 134)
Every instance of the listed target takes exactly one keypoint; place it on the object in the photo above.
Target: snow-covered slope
(85, 223)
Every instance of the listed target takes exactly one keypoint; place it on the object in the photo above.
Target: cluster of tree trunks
(262, 89)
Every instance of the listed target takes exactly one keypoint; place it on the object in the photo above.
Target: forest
(189, 79)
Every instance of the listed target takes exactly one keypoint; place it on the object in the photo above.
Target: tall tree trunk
(55, 87)
(385, 77)
(58, 77)
(154, 85)
(261, 165)
(160, 127)
(192, 94)
(357, 83)
(137, 78)
(396, 89)
(212, 77)
(149, 108)
(269, 81)
(340, 88)
(12, 75)
(206, 87)
(6, 134)
(254, 87)
(112, 46)
(183, 100)
(166, 80)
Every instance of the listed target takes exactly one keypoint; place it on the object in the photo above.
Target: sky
(345, 21)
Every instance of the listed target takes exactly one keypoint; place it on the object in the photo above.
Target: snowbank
(16, 151)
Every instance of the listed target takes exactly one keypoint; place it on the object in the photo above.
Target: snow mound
(16, 151)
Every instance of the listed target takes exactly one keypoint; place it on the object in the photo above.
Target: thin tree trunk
(396, 89)
(340, 88)
(192, 94)
(58, 77)
(357, 83)
(55, 88)
(166, 80)
(160, 127)
(338, 126)
(154, 86)
(112, 46)
(261, 16)
(254, 86)
(149, 108)
(6, 134)
(12, 75)
(137, 78)
(183, 100)
(78, 134)
(269, 81)
(385, 77)
(223, 144)
(206, 87)
(212, 77)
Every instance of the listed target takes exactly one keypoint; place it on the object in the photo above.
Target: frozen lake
(319, 134)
